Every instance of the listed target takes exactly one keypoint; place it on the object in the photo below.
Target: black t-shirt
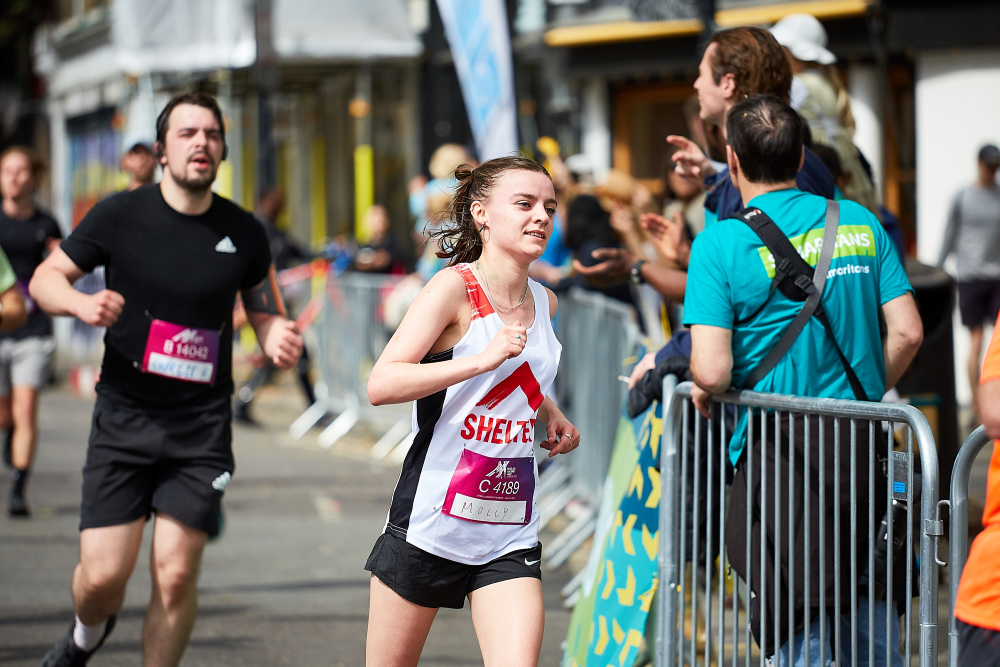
(23, 241)
(179, 268)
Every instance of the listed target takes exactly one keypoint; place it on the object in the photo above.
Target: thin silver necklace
(486, 284)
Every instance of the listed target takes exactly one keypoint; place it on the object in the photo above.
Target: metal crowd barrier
(351, 334)
(599, 338)
(697, 624)
(958, 539)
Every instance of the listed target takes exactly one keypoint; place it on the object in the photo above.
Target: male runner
(175, 257)
(26, 234)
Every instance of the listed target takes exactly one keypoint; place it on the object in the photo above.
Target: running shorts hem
(431, 581)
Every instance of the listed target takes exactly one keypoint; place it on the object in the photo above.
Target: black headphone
(161, 125)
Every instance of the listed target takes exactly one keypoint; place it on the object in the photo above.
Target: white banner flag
(480, 46)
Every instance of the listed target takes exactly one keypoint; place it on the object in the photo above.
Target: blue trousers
(876, 630)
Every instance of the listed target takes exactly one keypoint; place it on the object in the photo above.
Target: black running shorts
(977, 647)
(978, 302)
(141, 461)
(432, 581)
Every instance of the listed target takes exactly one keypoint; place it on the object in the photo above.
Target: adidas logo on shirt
(226, 245)
(220, 482)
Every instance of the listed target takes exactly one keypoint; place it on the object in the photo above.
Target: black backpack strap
(852, 378)
(788, 264)
(798, 281)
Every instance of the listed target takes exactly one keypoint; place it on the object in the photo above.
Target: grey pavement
(284, 585)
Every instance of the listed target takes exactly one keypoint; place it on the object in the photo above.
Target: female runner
(477, 353)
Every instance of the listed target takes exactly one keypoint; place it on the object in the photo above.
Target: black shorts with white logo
(433, 581)
(141, 461)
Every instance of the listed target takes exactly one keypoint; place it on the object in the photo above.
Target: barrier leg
(398, 454)
(553, 478)
(391, 438)
(308, 419)
(338, 428)
(555, 504)
(570, 538)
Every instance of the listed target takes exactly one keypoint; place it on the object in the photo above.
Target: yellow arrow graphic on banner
(655, 434)
(602, 636)
(647, 597)
(617, 632)
(633, 641)
(609, 569)
(626, 596)
(635, 484)
(627, 543)
(654, 487)
(649, 543)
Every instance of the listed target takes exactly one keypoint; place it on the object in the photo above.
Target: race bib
(491, 490)
(29, 303)
(181, 353)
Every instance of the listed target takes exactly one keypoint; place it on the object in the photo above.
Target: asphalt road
(284, 585)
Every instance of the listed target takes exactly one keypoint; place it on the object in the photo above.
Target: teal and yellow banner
(609, 618)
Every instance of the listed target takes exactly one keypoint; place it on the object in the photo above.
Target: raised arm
(613, 269)
(435, 321)
(689, 158)
(52, 289)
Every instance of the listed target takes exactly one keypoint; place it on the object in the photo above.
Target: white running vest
(469, 486)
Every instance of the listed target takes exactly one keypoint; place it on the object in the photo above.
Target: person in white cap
(822, 100)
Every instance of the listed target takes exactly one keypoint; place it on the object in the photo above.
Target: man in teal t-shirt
(729, 278)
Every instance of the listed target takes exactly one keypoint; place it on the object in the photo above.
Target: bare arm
(553, 302)
(711, 363)
(989, 407)
(436, 320)
(670, 237)
(278, 336)
(905, 333)
(557, 428)
(52, 289)
(13, 312)
(689, 158)
(264, 309)
(614, 268)
(669, 282)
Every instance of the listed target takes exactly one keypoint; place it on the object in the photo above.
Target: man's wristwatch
(635, 273)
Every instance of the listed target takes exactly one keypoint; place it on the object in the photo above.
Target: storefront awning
(621, 31)
(772, 12)
(192, 35)
(730, 14)
(343, 30)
